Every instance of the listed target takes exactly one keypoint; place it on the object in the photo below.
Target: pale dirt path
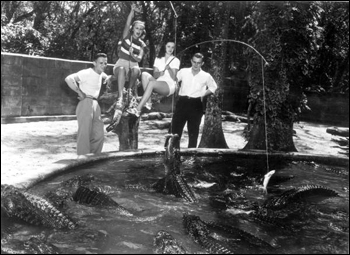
(28, 149)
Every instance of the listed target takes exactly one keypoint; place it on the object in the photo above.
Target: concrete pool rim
(72, 164)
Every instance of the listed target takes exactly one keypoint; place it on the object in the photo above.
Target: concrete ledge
(9, 120)
(90, 158)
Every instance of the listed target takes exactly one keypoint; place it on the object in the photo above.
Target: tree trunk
(128, 126)
(212, 135)
(127, 131)
(279, 139)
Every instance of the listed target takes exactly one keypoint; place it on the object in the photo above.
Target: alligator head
(9, 197)
(172, 153)
(77, 181)
(165, 243)
(195, 227)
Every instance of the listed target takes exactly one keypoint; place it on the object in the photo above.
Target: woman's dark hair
(162, 50)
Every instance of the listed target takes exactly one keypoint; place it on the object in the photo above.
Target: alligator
(65, 192)
(165, 243)
(34, 245)
(94, 197)
(173, 183)
(203, 233)
(275, 208)
(32, 209)
(298, 195)
(81, 190)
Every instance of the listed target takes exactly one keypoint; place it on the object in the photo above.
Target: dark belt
(91, 97)
(189, 98)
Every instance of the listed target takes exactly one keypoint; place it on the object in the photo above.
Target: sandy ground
(28, 149)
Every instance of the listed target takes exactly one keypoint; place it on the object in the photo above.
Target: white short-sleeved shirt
(174, 64)
(195, 85)
(90, 82)
(160, 64)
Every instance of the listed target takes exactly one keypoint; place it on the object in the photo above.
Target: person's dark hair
(98, 55)
(198, 55)
(162, 50)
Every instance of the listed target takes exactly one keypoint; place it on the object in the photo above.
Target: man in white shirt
(87, 83)
(196, 84)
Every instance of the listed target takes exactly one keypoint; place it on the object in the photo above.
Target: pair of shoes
(148, 106)
(134, 111)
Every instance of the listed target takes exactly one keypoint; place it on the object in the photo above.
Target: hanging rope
(266, 142)
(173, 96)
(225, 40)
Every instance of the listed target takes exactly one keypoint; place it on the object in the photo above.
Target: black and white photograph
(174, 127)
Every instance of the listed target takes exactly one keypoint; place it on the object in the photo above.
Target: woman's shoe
(134, 111)
(148, 106)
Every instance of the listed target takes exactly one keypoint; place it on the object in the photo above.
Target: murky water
(316, 226)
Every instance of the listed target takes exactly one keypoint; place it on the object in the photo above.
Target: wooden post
(127, 128)
(127, 131)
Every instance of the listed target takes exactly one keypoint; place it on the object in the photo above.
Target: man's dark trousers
(188, 110)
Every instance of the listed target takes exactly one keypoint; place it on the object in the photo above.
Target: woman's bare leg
(145, 79)
(120, 73)
(160, 87)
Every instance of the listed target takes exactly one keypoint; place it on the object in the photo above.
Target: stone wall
(35, 86)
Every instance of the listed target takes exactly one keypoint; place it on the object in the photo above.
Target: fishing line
(265, 122)
(173, 96)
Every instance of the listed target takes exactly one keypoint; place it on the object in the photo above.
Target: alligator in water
(66, 190)
(81, 190)
(203, 233)
(32, 209)
(165, 243)
(94, 197)
(275, 209)
(173, 183)
(299, 195)
(34, 245)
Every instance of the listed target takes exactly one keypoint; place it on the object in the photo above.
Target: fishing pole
(226, 40)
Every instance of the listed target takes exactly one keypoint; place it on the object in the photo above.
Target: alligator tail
(314, 190)
(182, 189)
(49, 214)
(299, 195)
(33, 209)
(85, 195)
(214, 246)
(252, 239)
